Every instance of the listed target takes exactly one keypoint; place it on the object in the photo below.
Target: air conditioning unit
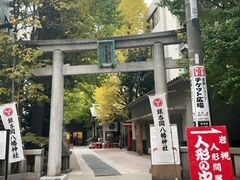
(111, 127)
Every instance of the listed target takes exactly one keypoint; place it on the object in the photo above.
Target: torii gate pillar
(56, 119)
(171, 171)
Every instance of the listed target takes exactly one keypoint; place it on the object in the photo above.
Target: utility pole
(195, 53)
(199, 94)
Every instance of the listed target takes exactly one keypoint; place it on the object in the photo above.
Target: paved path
(99, 167)
(128, 164)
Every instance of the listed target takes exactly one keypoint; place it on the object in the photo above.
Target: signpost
(200, 105)
(209, 154)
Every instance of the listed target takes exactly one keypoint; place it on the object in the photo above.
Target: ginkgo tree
(134, 14)
(110, 99)
(111, 96)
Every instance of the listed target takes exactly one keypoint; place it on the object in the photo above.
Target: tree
(221, 48)
(77, 19)
(134, 13)
(136, 84)
(115, 92)
(94, 19)
(110, 100)
(78, 102)
(16, 80)
(220, 34)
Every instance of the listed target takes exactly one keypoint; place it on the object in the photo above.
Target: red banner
(209, 154)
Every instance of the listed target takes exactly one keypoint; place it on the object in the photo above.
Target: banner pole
(7, 155)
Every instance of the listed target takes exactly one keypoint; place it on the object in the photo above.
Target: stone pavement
(128, 164)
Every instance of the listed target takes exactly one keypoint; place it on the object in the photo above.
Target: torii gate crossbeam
(121, 42)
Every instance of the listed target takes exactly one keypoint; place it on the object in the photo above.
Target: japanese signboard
(163, 137)
(3, 138)
(155, 143)
(9, 117)
(209, 153)
(199, 96)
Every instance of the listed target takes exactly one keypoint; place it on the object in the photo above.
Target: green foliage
(220, 24)
(136, 84)
(77, 103)
(113, 95)
(176, 7)
(16, 65)
(33, 141)
(78, 19)
(222, 51)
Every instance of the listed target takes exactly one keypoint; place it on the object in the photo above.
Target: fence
(33, 167)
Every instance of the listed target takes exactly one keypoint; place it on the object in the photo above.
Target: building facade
(4, 11)
(160, 19)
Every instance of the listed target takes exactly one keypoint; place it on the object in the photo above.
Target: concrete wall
(180, 99)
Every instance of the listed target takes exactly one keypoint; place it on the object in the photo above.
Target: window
(154, 19)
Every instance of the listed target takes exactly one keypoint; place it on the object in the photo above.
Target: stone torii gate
(58, 70)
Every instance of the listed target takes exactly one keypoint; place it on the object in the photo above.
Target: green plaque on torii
(106, 53)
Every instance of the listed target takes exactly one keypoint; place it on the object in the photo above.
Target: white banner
(162, 148)
(156, 155)
(3, 142)
(199, 96)
(9, 117)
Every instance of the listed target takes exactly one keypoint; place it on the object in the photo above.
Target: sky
(148, 2)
